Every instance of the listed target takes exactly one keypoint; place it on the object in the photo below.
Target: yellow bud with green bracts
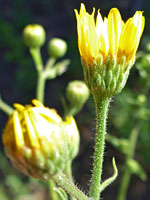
(73, 137)
(77, 93)
(107, 48)
(35, 140)
(57, 47)
(34, 35)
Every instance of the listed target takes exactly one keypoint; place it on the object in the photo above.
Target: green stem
(133, 141)
(68, 173)
(40, 90)
(36, 55)
(52, 193)
(101, 116)
(69, 187)
(124, 184)
(73, 110)
(127, 174)
(50, 63)
(6, 108)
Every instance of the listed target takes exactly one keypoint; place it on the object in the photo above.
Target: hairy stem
(101, 116)
(68, 172)
(63, 182)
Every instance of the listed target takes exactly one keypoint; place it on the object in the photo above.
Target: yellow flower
(109, 37)
(73, 136)
(35, 140)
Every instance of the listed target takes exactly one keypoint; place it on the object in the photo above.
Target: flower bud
(141, 98)
(57, 47)
(35, 140)
(77, 93)
(73, 137)
(34, 35)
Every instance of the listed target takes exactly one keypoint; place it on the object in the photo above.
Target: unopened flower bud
(35, 140)
(57, 47)
(141, 98)
(34, 35)
(77, 93)
(73, 137)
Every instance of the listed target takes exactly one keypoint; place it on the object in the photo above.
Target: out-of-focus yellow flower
(110, 37)
(73, 136)
(36, 141)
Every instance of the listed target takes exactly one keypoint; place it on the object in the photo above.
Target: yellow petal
(87, 38)
(104, 47)
(101, 33)
(131, 34)
(31, 134)
(110, 37)
(19, 139)
(47, 114)
(99, 24)
(18, 106)
(92, 37)
(114, 30)
(37, 103)
(42, 127)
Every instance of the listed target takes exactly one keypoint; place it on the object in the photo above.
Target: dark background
(18, 75)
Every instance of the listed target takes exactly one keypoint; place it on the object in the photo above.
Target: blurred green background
(18, 81)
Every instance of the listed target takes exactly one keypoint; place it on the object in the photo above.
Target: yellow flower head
(35, 140)
(110, 37)
(73, 136)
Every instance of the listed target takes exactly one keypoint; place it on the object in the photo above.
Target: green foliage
(135, 168)
(132, 107)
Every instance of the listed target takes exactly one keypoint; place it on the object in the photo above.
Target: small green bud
(34, 35)
(141, 99)
(57, 47)
(77, 93)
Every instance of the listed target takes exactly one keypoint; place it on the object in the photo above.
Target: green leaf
(136, 169)
(57, 70)
(108, 181)
(120, 144)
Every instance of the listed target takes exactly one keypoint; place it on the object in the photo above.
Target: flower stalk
(101, 116)
(69, 187)
(68, 173)
(36, 55)
(5, 107)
